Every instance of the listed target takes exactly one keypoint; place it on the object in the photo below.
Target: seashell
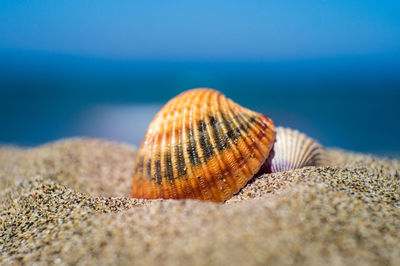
(201, 145)
(293, 150)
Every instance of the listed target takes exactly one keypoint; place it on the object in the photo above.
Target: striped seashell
(293, 150)
(202, 146)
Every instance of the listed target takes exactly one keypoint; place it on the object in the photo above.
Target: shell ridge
(289, 142)
(192, 152)
(255, 142)
(148, 164)
(244, 167)
(227, 152)
(179, 158)
(149, 170)
(254, 127)
(204, 184)
(168, 179)
(206, 150)
(230, 146)
(231, 140)
(185, 146)
(311, 154)
(247, 138)
(298, 154)
(139, 180)
(160, 171)
(159, 188)
(293, 158)
(250, 147)
(214, 130)
(156, 176)
(310, 151)
(181, 190)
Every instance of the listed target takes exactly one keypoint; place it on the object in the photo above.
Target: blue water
(348, 102)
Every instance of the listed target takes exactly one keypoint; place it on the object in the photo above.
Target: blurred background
(104, 68)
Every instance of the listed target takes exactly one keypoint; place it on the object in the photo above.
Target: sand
(68, 202)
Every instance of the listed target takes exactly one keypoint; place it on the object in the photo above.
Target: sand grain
(68, 202)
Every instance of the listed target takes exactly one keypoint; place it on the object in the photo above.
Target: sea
(347, 102)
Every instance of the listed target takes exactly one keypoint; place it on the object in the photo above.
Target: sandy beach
(68, 202)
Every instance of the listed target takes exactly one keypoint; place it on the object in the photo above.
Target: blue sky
(209, 30)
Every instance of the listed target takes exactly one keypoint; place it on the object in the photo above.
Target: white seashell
(293, 150)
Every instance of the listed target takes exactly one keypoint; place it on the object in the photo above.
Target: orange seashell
(202, 146)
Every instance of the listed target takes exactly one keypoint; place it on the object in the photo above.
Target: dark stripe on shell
(242, 126)
(168, 163)
(238, 126)
(139, 167)
(180, 160)
(249, 121)
(260, 123)
(157, 169)
(148, 169)
(261, 126)
(230, 134)
(204, 139)
(220, 140)
(252, 119)
(191, 149)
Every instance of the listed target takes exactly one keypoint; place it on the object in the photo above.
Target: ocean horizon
(349, 102)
